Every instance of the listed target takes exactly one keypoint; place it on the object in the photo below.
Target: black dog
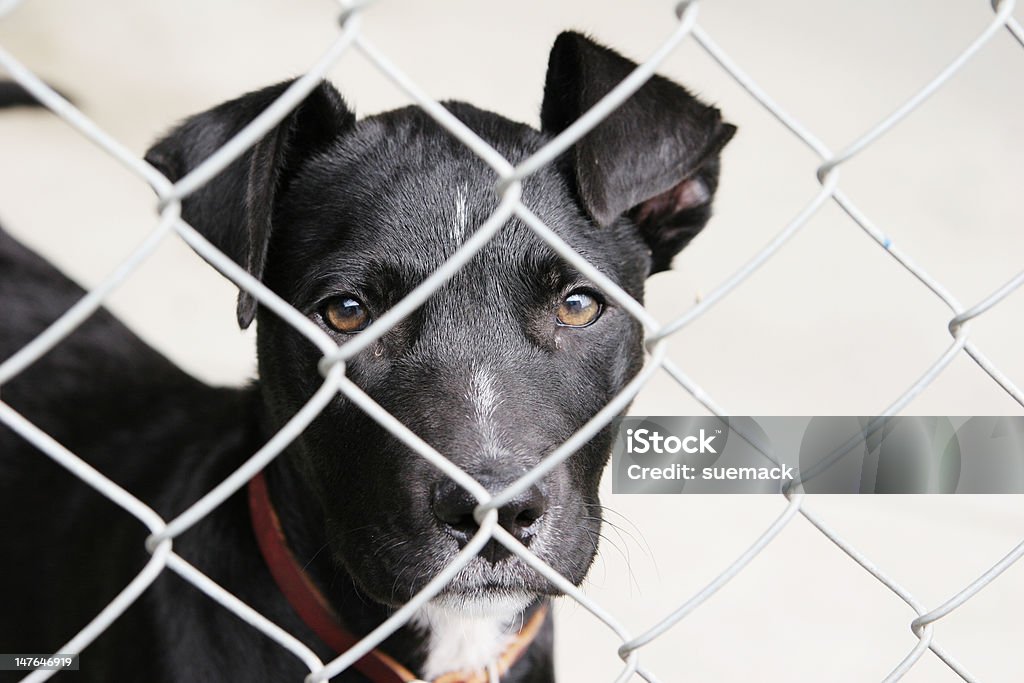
(506, 361)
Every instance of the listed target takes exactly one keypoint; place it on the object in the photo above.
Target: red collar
(312, 607)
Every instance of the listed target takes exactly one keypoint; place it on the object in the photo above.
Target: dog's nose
(454, 506)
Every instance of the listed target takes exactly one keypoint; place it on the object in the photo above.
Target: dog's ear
(234, 209)
(654, 159)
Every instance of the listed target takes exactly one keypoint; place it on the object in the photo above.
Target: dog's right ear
(235, 208)
(654, 159)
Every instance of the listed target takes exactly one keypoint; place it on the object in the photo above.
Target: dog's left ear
(654, 159)
(234, 209)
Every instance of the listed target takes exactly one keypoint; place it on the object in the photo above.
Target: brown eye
(579, 309)
(345, 314)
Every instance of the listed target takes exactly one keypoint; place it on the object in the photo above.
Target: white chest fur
(466, 637)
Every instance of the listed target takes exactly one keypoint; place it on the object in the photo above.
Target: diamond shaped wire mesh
(350, 38)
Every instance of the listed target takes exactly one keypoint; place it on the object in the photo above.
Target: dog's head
(508, 358)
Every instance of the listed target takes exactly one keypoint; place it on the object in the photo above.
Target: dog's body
(502, 364)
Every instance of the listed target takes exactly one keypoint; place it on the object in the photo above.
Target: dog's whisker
(634, 583)
(390, 545)
(623, 537)
(639, 537)
(310, 560)
(639, 532)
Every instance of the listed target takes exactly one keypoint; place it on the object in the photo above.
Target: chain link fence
(632, 642)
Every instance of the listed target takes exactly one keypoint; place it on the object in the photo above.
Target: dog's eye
(579, 309)
(345, 314)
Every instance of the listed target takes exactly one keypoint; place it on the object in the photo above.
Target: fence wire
(160, 543)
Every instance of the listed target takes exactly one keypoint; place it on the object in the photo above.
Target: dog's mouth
(480, 586)
(408, 555)
(508, 579)
(483, 602)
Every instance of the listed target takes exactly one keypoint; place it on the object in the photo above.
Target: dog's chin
(479, 588)
(505, 582)
(485, 589)
(484, 604)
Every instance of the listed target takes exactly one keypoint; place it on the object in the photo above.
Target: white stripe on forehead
(483, 396)
(460, 221)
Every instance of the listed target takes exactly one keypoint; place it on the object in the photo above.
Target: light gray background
(831, 325)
